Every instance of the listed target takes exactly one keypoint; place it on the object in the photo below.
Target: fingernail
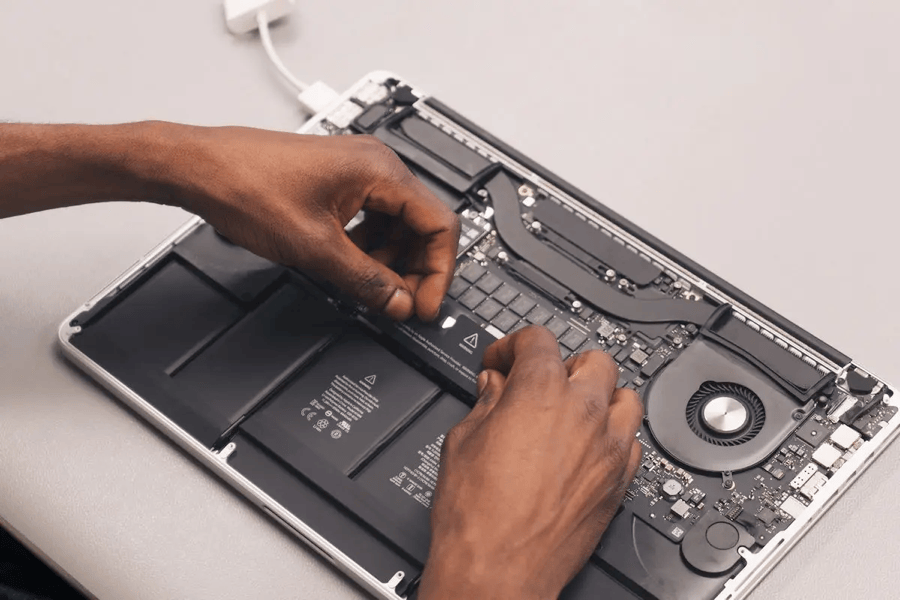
(400, 306)
(481, 382)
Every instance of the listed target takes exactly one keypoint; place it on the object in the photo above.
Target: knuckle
(367, 141)
(451, 221)
(455, 435)
(544, 370)
(631, 402)
(618, 450)
(388, 163)
(603, 362)
(535, 335)
(370, 287)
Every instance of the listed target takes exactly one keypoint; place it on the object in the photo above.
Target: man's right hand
(284, 196)
(532, 477)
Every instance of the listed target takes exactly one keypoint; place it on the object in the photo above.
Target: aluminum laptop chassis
(757, 563)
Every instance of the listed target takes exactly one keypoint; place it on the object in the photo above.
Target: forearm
(51, 166)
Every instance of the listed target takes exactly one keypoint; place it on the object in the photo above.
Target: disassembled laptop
(331, 418)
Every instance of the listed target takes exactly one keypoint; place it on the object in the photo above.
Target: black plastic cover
(860, 384)
(370, 117)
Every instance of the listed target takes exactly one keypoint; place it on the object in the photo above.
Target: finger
(634, 462)
(437, 229)
(532, 344)
(624, 414)
(386, 255)
(593, 376)
(490, 387)
(369, 281)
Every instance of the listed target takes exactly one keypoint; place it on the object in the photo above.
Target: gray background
(760, 138)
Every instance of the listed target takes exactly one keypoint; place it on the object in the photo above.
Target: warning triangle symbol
(370, 380)
(472, 340)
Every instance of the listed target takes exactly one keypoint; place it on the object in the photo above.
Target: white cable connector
(240, 15)
(317, 97)
(243, 16)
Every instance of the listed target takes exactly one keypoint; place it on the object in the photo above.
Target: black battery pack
(343, 407)
(404, 475)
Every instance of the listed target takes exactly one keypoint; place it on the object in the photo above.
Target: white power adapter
(240, 15)
(243, 16)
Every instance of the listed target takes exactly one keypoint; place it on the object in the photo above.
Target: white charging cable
(262, 21)
(243, 16)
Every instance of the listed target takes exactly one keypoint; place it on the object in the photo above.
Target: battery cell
(344, 406)
(404, 475)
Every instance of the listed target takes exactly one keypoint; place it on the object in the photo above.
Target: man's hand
(532, 477)
(284, 196)
(288, 197)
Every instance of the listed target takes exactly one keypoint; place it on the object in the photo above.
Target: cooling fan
(725, 414)
(714, 412)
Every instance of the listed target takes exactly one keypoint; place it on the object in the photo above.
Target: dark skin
(532, 477)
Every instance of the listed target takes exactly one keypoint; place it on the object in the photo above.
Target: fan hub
(725, 415)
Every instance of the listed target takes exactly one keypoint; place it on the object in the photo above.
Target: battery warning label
(341, 404)
(348, 400)
(420, 480)
(456, 351)
(344, 404)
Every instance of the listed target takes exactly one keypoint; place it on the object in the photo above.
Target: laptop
(330, 418)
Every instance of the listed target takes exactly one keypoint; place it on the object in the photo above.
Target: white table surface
(759, 138)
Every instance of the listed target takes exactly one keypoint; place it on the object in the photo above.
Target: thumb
(491, 384)
(369, 281)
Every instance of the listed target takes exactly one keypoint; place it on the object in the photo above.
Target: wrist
(154, 156)
(462, 575)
